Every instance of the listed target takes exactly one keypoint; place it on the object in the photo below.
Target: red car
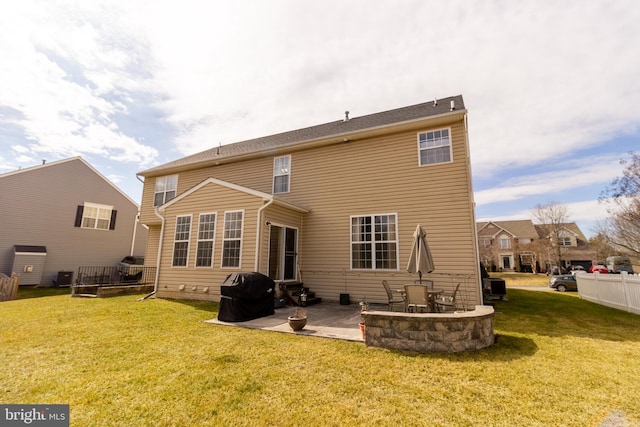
(599, 268)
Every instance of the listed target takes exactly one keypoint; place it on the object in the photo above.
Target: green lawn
(523, 279)
(558, 361)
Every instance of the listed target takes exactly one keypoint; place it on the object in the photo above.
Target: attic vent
(346, 116)
(453, 105)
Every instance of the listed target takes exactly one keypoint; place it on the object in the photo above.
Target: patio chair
(416, 298)
(393, 299)
(447, 301)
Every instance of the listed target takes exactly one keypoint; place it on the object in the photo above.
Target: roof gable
(516, 228)
(240, 188)
(61, 163)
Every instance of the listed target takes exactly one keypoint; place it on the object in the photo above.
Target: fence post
(625, 285)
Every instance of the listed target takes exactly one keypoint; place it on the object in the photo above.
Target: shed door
(283, 247)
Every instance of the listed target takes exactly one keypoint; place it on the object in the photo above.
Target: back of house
(333, 206)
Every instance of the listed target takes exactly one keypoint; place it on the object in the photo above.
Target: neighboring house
(573, 246)
(333, 205)
(506, 245)
(62, 215)
(520, 245)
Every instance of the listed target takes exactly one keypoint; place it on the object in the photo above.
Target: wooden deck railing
(9, 287)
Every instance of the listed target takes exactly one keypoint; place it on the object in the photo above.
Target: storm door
(283, 255)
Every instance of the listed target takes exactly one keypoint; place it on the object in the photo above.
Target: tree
(551, 218)
(622, 197)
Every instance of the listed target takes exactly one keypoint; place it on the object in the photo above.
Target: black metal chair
(447, 301)
(393, 299)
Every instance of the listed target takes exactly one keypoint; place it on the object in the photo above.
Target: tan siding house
(333, 206)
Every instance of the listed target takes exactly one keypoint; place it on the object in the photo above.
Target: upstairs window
(485, 243)
(232, 239)
(281, 173)
(374, 242)
(181, 241)
(166, 187)
(434, 147)
(96, 217)
(564, 241)
(504, 242)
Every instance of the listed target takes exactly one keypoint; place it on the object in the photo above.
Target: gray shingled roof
(518, 228)
(340, 127)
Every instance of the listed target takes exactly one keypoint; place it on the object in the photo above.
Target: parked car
(553, 271)
(598, 268)
(617, 264)
(564, 283)
(577, 269)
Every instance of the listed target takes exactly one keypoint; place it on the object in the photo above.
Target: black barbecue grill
(246, 296)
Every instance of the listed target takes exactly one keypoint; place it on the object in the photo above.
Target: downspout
(135, 229)
(155, 285)
(258, 230)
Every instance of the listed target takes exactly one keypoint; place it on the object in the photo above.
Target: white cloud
(569, 175)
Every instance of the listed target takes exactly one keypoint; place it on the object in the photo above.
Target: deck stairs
(297, 294)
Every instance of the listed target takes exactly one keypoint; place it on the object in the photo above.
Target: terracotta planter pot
(297, 323)
(362, 329)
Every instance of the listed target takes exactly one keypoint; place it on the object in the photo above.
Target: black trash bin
(64, 278)
(494, 287)
(246, 296)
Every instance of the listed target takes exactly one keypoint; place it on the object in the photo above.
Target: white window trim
(164, 197)
(224, 239)
(276, 174)
(213, 240)
(173, 247)
(99, 208)
(421, 149)
(373, 242)
(504, 238)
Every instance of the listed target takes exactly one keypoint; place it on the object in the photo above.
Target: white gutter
(258, 238)
(155, 285)
(135, 228)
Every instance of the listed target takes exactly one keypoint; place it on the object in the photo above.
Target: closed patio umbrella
(420, 260)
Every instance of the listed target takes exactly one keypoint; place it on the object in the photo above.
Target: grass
(523, 279)
(558, 360)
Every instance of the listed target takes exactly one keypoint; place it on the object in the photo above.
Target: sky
(551, 87)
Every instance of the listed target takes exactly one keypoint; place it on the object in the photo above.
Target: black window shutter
(112, 224)
(79, 212)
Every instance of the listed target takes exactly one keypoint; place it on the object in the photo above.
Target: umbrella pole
(420, 276)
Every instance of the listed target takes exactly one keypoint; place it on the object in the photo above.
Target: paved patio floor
(327, 320)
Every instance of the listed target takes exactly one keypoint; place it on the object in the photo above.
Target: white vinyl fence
(621, 291)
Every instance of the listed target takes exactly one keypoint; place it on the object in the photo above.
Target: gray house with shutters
(62, 215)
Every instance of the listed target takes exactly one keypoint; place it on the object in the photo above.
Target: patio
(422, 332)
(327, 320)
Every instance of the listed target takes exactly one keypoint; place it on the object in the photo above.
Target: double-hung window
(434, 147)
(95, 216)
(504, 242)
(206, 237)
(181, 241)
(374, 242)
(281, 174)
(165, 190)
(232, 238)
